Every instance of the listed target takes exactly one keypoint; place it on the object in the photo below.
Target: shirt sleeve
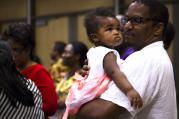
(46, 86)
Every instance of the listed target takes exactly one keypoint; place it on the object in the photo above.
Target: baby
(103, 30)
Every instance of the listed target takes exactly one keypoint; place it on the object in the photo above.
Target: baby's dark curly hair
(92, 19)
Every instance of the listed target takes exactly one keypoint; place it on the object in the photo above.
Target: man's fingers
(86, 62)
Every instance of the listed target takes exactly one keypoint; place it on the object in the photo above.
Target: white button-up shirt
(150, 72)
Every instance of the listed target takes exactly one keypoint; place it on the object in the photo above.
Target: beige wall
(10, 9)
(44, 7)
(56, 29)
(82, 32)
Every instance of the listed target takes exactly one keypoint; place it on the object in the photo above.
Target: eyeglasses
(136, 20)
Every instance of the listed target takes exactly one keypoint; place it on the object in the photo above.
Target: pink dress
(88, 88)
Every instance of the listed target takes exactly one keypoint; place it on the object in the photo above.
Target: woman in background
(73, 59)
(19, 97)
(57, 51)
(19, 37)
(56, 58)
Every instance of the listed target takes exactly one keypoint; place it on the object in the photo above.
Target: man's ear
(159, 28)
(94, 38)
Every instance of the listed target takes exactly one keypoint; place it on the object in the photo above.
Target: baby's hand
(135, 99)
(85, 69)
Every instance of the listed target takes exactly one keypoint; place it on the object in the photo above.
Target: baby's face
(109, 33)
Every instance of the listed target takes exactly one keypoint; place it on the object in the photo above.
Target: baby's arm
(113, 71)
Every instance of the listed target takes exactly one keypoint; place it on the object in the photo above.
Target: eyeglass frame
(134, 21)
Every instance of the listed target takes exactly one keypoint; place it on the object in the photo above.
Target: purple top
(128, 51)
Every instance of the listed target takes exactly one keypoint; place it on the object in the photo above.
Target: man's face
(138, 26)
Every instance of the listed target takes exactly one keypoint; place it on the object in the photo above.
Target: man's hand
(85, 69)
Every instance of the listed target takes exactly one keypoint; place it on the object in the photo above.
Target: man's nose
(128, 25)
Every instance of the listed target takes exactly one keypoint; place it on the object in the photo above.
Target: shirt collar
(158, 43)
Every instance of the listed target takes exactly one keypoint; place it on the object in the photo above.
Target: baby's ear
(93, 38)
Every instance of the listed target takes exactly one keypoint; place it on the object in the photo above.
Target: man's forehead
(137, 9)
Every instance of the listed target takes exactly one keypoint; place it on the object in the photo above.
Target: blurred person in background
(73, 58)
(125, 49)
(57, 51)
(56, 57)
(19, 97)
(19, 37)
